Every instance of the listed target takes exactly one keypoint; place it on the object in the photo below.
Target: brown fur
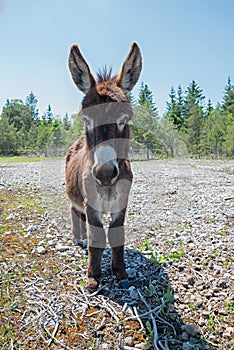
(94, 188)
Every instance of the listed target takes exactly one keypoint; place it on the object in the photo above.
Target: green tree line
(23, 131)
(189, 126)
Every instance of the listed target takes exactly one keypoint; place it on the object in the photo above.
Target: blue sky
(181, 40)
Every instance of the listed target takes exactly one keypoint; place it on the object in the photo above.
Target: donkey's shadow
(149, 300)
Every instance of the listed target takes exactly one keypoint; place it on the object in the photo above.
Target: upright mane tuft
(104, 74)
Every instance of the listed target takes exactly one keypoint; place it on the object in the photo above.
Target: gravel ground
(179, 253)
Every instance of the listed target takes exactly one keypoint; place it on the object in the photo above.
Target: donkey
(98, 170)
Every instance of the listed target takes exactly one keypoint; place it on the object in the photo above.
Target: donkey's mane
(105, 74)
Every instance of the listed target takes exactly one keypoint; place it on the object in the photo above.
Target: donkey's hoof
(91, 284)
(124, 284)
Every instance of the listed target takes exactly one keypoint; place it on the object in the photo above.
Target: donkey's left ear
(131, 69)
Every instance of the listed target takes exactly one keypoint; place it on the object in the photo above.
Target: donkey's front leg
(96, 244)
(78, 227)
(116, 240)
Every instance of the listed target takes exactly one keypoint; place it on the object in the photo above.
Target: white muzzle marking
(105, 163)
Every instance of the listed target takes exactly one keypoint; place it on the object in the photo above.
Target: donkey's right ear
(80, 71)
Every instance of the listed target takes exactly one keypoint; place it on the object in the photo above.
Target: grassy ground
(21, 159)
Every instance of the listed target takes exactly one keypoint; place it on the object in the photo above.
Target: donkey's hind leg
(78, 227)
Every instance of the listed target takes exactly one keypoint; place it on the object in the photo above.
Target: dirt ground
(179, 255)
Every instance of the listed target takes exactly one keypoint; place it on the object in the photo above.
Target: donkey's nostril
(114, 173)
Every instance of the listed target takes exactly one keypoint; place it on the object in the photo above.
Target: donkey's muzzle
(107, 173)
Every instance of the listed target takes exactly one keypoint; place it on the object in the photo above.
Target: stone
(133, 292)
(52, 242)
(31, 228)
(185, 336)
(187, 346)
(62, 248)
(142, 346)
(190, 329)
(124, 284)
(41, 250)
(131, 273)
(129, 341)
(10, 217)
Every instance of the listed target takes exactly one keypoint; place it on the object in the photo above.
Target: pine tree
(132, 98)
(209, 108)
(145, 98)
(175, 108)
(144, 125)
(31, 102)
(228, 99)
(66, 122)
(194, 116)
(194, 97)
(49, 115)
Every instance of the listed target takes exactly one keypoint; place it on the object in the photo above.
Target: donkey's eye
(122, 121)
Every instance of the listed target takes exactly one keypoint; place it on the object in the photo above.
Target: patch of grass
(21, 159)
(181, 228)
(228, 260)
(19, 201)
(176, 255)
(7, 335)
(170, 241)
(211, 323)
(211, 220)
(192, 306)
(223, 232)
(228, 304)
(146, 246)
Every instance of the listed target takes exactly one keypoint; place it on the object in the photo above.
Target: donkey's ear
(131, 69)
(80, 70)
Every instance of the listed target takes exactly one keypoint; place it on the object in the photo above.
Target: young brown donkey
(98, 171)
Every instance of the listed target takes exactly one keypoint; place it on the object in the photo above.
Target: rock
(191, 280)
(62, 248)
(198, 302)
(41, 250)
(187, 346)
(124, 284)
(229, 331)
(142, 346)
(52, 242)
(222, 284)
(190, 329)
(31, 228)
(10, 217)
(133, 292)
(131, 273)
(46, 215)
(185, 336)
(104, 346)
(129, 341)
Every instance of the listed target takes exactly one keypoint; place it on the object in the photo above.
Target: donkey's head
(106, 111)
